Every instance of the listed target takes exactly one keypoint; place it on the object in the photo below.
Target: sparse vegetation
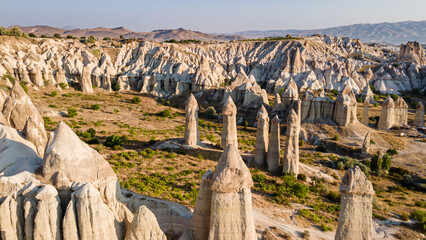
(72, 112)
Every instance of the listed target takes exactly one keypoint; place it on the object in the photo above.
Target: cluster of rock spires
(238, 69)
(394, 113)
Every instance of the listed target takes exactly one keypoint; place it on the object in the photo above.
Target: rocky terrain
(101, 142)
(394, 33)
(102, 32)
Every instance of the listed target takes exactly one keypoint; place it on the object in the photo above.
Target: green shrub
(165, 113)
(115, 87)
(340, 165)
(72, 112)
(53, 106)
(386, 163)
(322, 148)
(300, 190)
(116, 110)
(259, 178)
(391, 152)
(394, 96)
(301, 176)
(211, 113)
(301, 143)
(334, 92)
(421, 204)
(57, 35)
(420, 216)
(136, 100)
(32, 35)
(326, 228)
(376, 162)
(336, 138)
(54, 94)
(95, 107)
(113, 140)
(63, 85)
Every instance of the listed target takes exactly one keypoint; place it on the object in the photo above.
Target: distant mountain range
(395, 33)
(101, 32)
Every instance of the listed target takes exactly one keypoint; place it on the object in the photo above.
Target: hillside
(396, 33)
(156, 35)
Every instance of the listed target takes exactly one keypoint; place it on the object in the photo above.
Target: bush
(340, 165)
(336, 138)
(91, 131)
(113, 140)
(300, 190)
(53, 106)
(32, 35)
(54, 94)
(376, 162)
(259, 178)
(165, 113)
(70, 37)
(115, 87)
(211, 113)
(95, 107)
(57, 35)
(322, 148)
(136, 100)
(301, 143)
(391, 152)
(334, 92)
(71, 112)
(63, 85)
(326, 228)
(421, 204)
(420, 216)
(301, 176)
(386, 163)
(394, 96)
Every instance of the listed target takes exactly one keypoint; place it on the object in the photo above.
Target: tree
(106, 38)
(91, 39)
(32, 35)
(386, 162)
(376, 162)
(70, 37)
(121, 37)
(44, 36)
(57, 35)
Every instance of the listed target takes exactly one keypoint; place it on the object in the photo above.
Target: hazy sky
(208, 16)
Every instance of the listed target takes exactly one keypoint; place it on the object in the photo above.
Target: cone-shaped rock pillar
(273, 156)
(262, 136)
(365, 113)
(231, 207)
(387, 117)
(192, 134)
(419, 119)
(366, 144)
(229, 134)
(291, 152)
(355, 218)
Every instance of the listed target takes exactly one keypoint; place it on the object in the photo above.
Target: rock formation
(229, 134)
(355, 218)
(231, 207)
(291, 152)
(144, 226)
(419, 119)
(367, 95)
(365, 118)
(273, 155)
(47, 220)
(262, 136)
(366, 144)
(192, 134)
(387, 117)
(412, 52)
(199, 226)
(17, 110)
(86, 81)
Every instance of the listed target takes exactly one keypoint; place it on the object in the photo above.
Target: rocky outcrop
(355, 218)
(192, 134)
(17, 110)
(229, 134)
(273, 155)
(144, 226)
(412, 52)
(365, 117)
(387, 115)
(47, 220)
(401, 112)
(366, 144)
(231, 207)
(367, 95)
(262, 137)
(419, 119)
(86, 81)
(199, 226)
(291, 151)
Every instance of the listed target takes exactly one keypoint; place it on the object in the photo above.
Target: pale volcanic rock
(277, 103)
(229, 134)
(367, 95)
(262, 137)
(419, 119)
(365, 117)
(87, 217)
(35, 135)
(47, 220)
(231, 207)
(10, 221)
(66, 153)
(199, 225)
(387, 115)
(355, 218)
(345, 110)
(401, 112)
(144, 226)
(273, 155)
(291, 151)
(3, 97)
(412, 52)
(367, 143)
(86, 81)
(192, 134)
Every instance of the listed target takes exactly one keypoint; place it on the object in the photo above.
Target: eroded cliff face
(165, 69)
